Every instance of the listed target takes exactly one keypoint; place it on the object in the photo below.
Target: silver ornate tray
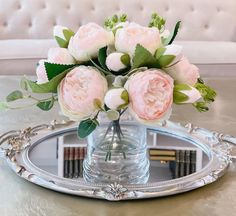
(182, 158)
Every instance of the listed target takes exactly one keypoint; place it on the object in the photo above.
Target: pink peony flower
(184, 72)
(127, 38)
(150, 95)
(79, 89)
(86, 43)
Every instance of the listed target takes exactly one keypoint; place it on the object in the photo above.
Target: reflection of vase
(117, 153)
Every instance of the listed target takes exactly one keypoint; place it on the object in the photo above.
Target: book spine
(71, 162)
(66, 162)
(76, 163)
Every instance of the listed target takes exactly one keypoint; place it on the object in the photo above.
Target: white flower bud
(62, 35)
(117, 61)
(193, 95)
(175, 50)
(116, 98)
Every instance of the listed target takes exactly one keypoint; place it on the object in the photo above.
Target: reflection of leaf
(142, 57)
(15, 95)
(3, 106)
(86, 127)
(46, 105)
(49, 87)
(53, 69)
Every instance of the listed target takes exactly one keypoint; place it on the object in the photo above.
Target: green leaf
(142, 57)
(179, 97)
(180, 87)
(54, 69)
(86, 127)
(46, 105)
(97, 103)
(3, 106)
(23, 84)
(68, 34)
(49, 87)
(125, 59)
(165, 60)
(15, 95)
(208, 94)
(172, 36)
(201, 106)
(102, 55)
(160, 51)
(61, 42)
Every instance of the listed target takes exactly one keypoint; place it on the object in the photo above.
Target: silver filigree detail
(114, 191)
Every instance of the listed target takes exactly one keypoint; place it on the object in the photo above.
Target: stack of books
(73, 161)
(181, 162)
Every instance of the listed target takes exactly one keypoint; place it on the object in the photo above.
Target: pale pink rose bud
(127, 38)
(114, 61)
(175, 50)
(116, 98)
(60, 56)
(150, 95)
(79, 91)
(184, 72)
(88, 40)
(193, 95)
(41, 73)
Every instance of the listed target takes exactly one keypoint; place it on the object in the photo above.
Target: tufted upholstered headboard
(202, 19)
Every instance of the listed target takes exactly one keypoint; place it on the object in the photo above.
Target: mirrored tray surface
(182, 158)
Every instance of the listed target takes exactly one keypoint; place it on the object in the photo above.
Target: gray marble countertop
(21, 198)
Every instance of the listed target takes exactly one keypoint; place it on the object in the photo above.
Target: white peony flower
(60, 56)
(88, 40)
(127, 38)
(117, 61)
(192, 93)
(116, 98)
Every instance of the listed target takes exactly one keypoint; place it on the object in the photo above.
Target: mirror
(170, 157)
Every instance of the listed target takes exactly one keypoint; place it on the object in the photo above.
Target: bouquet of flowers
(109, 69)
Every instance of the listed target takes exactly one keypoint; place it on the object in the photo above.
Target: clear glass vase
(117, 152)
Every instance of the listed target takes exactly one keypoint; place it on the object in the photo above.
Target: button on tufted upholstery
(34, 19)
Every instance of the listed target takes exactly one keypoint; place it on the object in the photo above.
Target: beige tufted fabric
(202, 20)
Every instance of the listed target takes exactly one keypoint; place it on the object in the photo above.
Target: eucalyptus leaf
(49, 87)
(46, 105)
(86, 127)
(142, 57)
(23, 84)
(15, 95)
(172, 36)
(3, 106)
(165, 60)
